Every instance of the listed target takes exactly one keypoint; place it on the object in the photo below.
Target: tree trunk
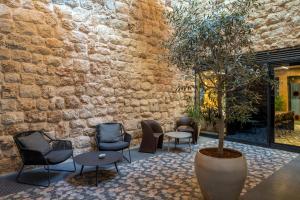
(221, 123)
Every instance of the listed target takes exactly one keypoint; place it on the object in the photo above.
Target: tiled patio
(161, 176)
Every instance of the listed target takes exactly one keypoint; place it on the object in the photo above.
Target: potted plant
(214, 40)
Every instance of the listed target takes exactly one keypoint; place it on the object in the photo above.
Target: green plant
(194, 112)
(215, 40)
(279, 103)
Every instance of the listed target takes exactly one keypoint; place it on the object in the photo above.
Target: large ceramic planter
(220, 178)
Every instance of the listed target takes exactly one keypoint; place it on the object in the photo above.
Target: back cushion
(36, 142)
(110, 133)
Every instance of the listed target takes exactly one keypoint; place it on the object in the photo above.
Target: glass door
(287, 105)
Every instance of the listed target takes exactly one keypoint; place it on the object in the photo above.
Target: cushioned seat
(54, 157)
(113, 137)
(115, 146)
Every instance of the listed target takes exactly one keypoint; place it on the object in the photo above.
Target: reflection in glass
(287, 105)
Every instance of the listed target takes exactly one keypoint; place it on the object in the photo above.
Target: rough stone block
(26, 104)
(54, 43)
(82, 142)
(92, 122)
(10, 91)
(8, 105)
(10, 66)
(72, 3)
(77, 124)
(4, 54)
(82, 66)
(25, 28)
(30, 91)
(28, 16)
(54, 116)
(42, 104)
(6, 26)
(72, 102)
(13, 3)
(70, 114)
(5, 11)
(12, 77)
(10, 118)
(35, 116)
(131, 124)
(21, 56)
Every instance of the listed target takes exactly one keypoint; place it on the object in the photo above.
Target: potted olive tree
(214, 39)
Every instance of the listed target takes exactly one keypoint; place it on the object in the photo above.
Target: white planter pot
(220, 178)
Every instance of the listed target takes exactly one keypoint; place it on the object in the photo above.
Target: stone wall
(67, 65)
(277, 24)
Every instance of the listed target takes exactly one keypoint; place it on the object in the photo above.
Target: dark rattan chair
(37, 148)
(186, 124)
(152, 136)
(113, 137)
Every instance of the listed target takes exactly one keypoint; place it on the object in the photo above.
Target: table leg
(169, 140)
(117, 167)
(81, 170)
(97, 175)
(175, 142)
(190, 144)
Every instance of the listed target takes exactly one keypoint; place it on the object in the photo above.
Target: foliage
(279, 103)
(194, 112)
(215, 40)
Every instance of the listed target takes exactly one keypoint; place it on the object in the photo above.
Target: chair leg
(74, 163)
(19, 173)
(27, 183)
(48, 175)
(128, 160)
(129, 155)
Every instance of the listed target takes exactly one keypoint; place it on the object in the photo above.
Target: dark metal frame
(31, 157)
(126, 138)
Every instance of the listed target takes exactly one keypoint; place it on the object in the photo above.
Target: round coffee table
(178, 135)
(91, 159)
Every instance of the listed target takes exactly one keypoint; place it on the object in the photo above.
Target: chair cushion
(36, 142)
(110, 133)
(55, 157)
(116, 146)
(185, 129)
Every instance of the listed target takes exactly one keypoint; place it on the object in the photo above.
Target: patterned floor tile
(165, 176)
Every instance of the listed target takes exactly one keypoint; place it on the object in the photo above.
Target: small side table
(178, 135)
(91, 159)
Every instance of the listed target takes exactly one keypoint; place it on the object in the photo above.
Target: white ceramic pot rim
(212, 157)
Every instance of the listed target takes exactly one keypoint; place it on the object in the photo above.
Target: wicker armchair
(153, 136)
(37, 148)
(186, 124)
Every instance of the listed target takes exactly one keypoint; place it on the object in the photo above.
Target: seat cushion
(55, 157)
(116, 146)
(36, 142)
(110, 133)
(185, 129)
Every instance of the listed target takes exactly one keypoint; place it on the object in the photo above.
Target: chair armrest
(61, 145)
(32, 157)
(127, 137)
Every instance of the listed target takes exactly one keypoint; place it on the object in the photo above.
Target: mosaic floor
(286, 137)
(164, 176)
